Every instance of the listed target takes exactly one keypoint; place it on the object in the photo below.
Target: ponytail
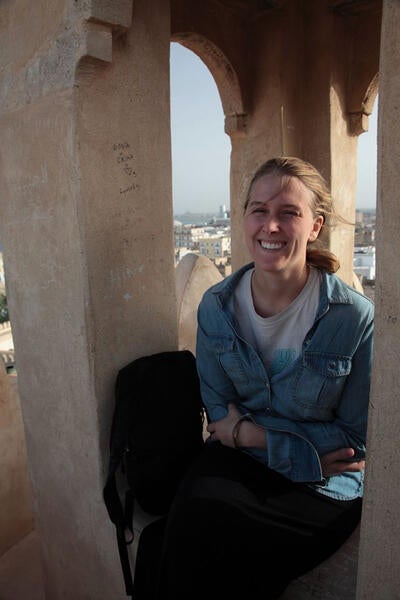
(323, 259)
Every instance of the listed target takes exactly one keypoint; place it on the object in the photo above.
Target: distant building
(215, 246)
(364, 262)
(224, 213)
(186, 236)
(364, 235)
(359, 216)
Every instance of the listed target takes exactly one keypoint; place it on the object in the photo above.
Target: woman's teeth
(271, 245)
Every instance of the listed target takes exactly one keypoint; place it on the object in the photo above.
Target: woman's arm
(217, 390)
(251, 435)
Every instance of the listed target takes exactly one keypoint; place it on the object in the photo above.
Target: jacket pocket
(321, 380)
(230, 360)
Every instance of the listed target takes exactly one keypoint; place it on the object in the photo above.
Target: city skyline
(200, 173)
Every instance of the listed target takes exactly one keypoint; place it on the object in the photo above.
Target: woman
(284, 360)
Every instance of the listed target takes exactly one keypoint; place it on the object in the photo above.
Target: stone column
(379, 573)
(327, 140)
(87, 233)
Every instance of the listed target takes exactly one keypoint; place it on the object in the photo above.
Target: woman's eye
(291, 213)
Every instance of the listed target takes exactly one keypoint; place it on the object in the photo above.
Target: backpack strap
(122, 522)
(122, 518)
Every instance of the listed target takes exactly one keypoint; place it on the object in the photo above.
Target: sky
(201, 149)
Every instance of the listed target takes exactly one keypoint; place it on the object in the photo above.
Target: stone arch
(370, 95)
(224, 75)
(364, 41)
(359, 118)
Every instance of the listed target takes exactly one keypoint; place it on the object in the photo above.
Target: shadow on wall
(16, 515)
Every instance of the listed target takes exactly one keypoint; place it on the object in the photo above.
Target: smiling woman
(284, 358)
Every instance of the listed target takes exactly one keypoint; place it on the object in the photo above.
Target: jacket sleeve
(294, 447)
(218, 394)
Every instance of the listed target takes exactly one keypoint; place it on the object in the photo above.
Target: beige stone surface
(41, 18)
(194, 275)
(21, 575)
(16, 514)
(334, 579)
(379, 572)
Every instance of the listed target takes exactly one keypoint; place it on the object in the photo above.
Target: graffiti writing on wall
(125, 159)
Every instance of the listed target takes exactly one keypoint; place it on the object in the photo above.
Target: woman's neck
(273, 292)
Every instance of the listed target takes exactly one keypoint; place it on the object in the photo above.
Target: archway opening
(200, 185)
(365, 218)
(200, 147)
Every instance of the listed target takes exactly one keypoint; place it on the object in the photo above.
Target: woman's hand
(222, 430)
(250, 435)
(339, 461)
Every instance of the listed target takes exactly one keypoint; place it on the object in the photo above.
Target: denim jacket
(317, 404)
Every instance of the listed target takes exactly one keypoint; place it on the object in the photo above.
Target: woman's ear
(317, 226)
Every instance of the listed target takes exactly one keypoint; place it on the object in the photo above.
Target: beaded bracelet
(236, 428)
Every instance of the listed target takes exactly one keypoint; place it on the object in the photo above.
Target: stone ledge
(23, 558)
(334, 579)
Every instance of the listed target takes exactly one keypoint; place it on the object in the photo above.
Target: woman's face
(278, 224)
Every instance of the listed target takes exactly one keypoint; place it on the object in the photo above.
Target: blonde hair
(321, 204)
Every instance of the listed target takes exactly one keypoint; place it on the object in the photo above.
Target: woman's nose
(271, 224)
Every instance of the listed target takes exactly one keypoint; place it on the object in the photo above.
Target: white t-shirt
(278, 338)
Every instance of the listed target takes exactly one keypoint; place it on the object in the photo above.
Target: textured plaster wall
(43, 20)
(124, 149)
(87, 236)
(379, 574)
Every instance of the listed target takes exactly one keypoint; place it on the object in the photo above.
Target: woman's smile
(271, 245)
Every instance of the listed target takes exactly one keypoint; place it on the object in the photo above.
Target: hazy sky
(201, 149)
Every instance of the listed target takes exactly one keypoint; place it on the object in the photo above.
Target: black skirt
(238, 530)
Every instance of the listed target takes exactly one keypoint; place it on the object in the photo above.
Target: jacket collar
(332, 291)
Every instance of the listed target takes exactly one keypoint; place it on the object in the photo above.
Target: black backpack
(157, 431)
